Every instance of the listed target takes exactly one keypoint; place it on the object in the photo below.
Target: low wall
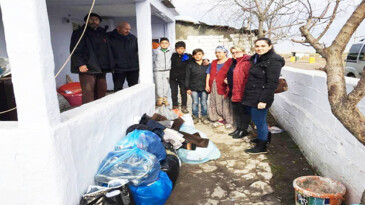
(56, 166)
(305, 113)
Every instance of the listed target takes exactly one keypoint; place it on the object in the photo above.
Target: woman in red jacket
(220, 107)
(236, 79)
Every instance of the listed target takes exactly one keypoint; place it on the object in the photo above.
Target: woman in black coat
(259, 91)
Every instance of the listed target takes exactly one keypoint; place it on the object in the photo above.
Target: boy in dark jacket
(195, 86)
(179, 61)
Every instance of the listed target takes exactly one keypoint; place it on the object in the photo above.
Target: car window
(354, 52)
(362, 54)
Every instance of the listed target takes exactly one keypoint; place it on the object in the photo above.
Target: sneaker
(234, 132)
(205, 120)
(159, 101)
(195, 119)
(164, 101)
(184, 109)
(175, 107)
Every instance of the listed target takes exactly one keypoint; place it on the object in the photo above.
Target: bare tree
(271, 18)
(343, 105)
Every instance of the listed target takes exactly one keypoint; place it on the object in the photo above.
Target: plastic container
(72, 93)
(315, 190)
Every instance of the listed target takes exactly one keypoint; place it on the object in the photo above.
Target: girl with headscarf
(220, 107)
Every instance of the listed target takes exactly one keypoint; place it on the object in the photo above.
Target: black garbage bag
(97, 195)
(171, 166)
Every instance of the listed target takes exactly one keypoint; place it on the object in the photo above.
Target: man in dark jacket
(92, 59)
(179, 61)
(125, 50)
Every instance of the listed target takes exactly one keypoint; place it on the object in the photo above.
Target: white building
(48, 157)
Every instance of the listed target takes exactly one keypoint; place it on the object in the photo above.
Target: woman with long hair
(259, 91)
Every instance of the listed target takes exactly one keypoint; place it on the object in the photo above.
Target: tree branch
(349, 28)
(358, 92)
(311, 40)
(331, 20)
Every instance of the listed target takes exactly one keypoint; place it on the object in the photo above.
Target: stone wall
(305, 113)
(208, 37)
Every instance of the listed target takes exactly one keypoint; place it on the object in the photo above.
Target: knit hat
(93, 14)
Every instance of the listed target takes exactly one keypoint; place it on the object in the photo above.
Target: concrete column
(28, 43)
(170, 33)
(144, 35)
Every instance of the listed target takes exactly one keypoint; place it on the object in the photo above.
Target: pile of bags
(144, 166)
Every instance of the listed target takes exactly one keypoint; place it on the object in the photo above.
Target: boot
(165, 102)
(159, 101)
(195, 119)
(241, 134)
(260, 148)
(205, 120)
(184, 109)
(268, 139)
(235, 132)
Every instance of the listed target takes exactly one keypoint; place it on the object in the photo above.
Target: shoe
(175, 107)
(159, 101)
(268, 139)
(165, 102)
(228, 126)
(241, 134)
(205, 120)
(260, 148)
(184, 109)
(235, 132)
(195, 119)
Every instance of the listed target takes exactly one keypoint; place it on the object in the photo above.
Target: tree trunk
(345, 110)
(261, 29)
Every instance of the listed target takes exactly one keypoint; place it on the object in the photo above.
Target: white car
(355, 61)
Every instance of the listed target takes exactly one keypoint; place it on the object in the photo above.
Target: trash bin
(7, 100)
(72, 92)
(313, 190)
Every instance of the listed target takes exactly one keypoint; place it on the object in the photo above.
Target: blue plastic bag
(156, 193)
(136, 165)
(145, 140)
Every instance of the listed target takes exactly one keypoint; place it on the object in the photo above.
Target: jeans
(174, 83)
(241, 116)
(259, 118)
(203, 97)
(93, 86)
(119, 78)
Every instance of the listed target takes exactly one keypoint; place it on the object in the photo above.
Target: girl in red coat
(236, 79)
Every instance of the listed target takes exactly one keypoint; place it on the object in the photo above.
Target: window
(362, 54)
(354, 52)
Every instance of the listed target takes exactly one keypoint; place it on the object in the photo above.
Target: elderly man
(92, 59)
(125, 50)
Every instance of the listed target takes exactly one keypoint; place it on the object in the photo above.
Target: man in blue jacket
(125, 50)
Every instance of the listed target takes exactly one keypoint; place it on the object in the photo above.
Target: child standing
(179, 61)
(161, 70)
(195, 85)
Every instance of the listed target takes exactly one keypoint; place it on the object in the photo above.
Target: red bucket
(72, 92)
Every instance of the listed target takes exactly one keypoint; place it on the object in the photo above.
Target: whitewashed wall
(304, 112)
(56, 166)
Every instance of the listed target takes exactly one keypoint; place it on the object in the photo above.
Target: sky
(199, 11)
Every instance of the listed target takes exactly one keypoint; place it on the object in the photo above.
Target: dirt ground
(226, 181)
(306, 65)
